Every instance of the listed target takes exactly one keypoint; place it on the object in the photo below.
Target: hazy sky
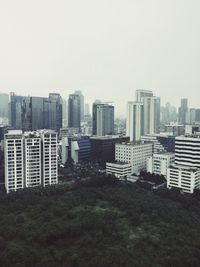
(106, 48)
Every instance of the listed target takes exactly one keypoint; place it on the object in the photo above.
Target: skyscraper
(183, 111)
(103, 119)
(143, 116)
(74, 111)
(82, 107)
(4, 100)
(57, 99)
(135, 120)
(33, 113)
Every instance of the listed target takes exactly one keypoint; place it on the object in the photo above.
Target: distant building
(158, 163)
(4, 102)
(161, 142)
(134, 153)
(183, 111)
(143, 115)
(30, 159)
(33, 113)
(175, 129)
(74, 111)
(82, 105)
(135, 120)
(103, 119)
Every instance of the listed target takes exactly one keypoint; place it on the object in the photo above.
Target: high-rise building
(143, 116)
(57, 100)
(4, 100)
(183, 111)
(141, 93)
(30, 159)
(135, 120)
(74, 111)
(103, 119)
(33, 113)
(185, 173)
(82, 107)
(187, 151)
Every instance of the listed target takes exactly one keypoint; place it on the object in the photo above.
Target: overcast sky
(106, 48)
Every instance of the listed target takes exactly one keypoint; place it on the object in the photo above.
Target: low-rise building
(119, 169)
(159, 163)
(183, 177)
(134, 153)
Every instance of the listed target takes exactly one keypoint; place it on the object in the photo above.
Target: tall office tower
(94, 117)
(151, 110)
(151, 118)
(14, 160)
(135, 120)
(82, 108)
(37, 117)
(103, 120)
(192, 115)
(30, 159)
(57, 100)
(197, 115)
(74, 111)
(87, 109)
(4, 100)
(141, 93)
(183, 111)
(26, 113)
(15, 111)
(64, 114)
(187, 151)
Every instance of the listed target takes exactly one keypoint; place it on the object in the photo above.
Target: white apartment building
(50, 157)
(119, 169)
(30, 159)
(134, 153)
(159, 163)
(14, 160)
(183, 177)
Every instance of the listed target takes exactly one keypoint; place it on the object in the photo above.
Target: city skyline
(138, 44)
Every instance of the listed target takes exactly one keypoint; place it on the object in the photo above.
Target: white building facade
(185, 178)
(31, 159)
(119, 169)
(134, 153)
(159, 163)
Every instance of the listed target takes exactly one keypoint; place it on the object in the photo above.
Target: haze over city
(107, 49)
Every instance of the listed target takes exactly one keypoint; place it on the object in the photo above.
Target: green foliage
(99, 222)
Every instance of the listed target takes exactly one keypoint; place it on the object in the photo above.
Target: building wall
(183, 178)
(136, 154)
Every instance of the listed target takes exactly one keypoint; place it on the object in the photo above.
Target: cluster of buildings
(39, 133)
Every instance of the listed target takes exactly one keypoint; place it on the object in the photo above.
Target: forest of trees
(99, 222)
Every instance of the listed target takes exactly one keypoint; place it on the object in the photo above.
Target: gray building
(82, 107)
(103, 119)
(74, 111)
(183, 109)
(4, 100)
(33, 113)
